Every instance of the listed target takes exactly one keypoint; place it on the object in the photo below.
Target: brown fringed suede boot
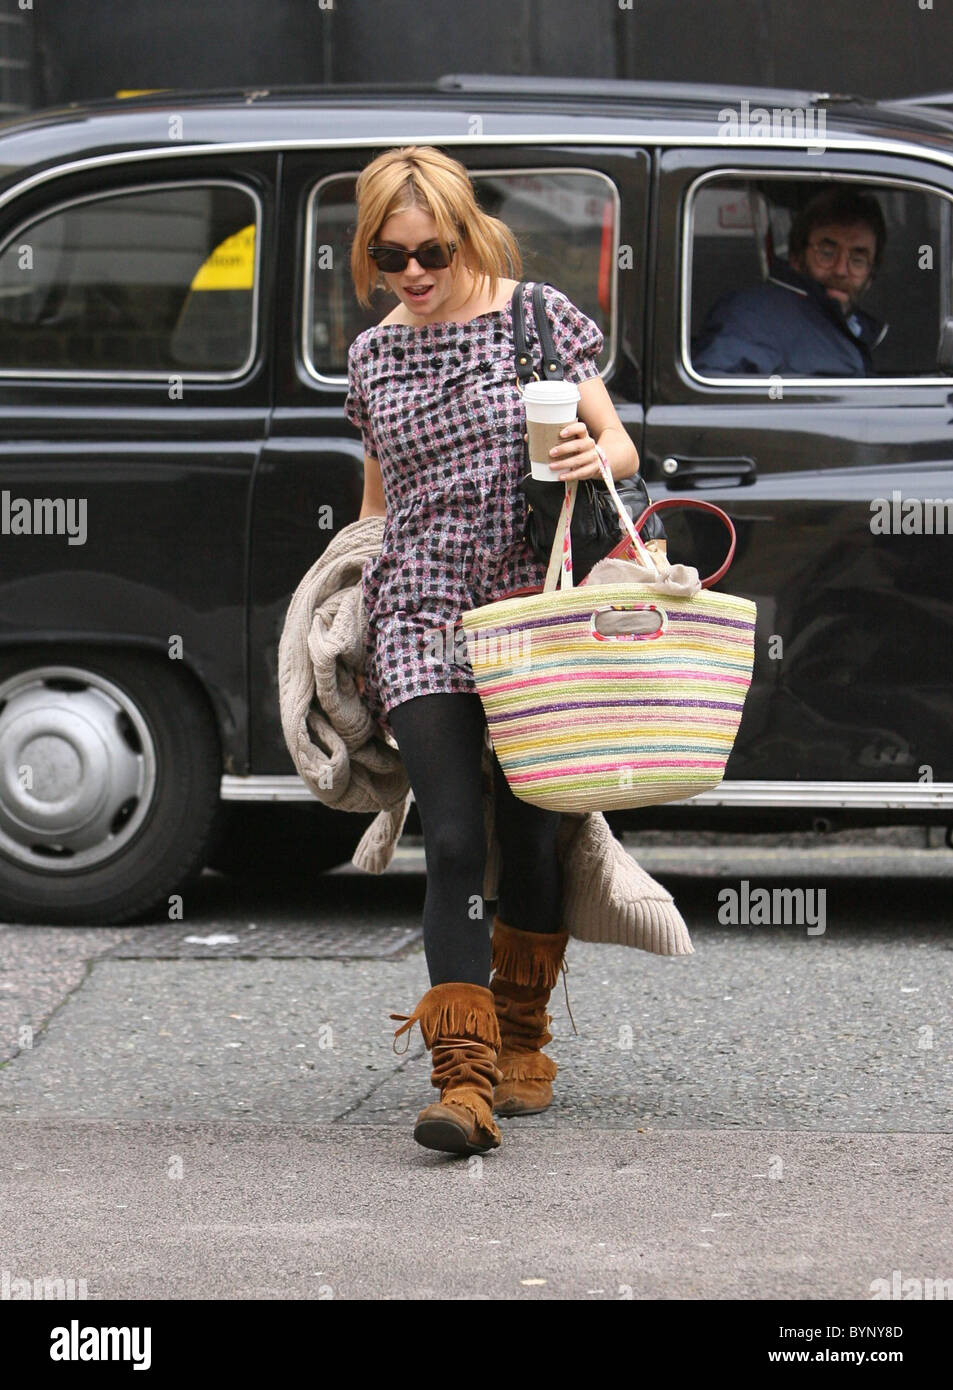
(458, 1022)
(526, 965)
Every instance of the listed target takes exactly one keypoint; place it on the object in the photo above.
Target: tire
(121, 762)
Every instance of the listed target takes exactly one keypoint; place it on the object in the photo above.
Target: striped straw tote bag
(585, 720)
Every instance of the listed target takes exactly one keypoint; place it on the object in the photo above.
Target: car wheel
(110, 772)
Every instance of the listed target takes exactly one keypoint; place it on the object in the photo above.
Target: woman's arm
(373, 501)
(598, 423)
(372, 505)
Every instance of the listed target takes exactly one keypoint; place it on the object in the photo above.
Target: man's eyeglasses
(827, 252)
(394, 258)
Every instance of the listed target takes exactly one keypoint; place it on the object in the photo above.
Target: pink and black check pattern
(438, 406)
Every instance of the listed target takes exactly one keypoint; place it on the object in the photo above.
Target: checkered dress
(437, 405)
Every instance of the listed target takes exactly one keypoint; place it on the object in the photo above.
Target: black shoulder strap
(552, 369)
(525, 366)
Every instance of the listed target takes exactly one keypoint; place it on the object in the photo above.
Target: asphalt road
(212, 1108)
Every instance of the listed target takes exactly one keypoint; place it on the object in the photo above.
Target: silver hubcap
(77, 768)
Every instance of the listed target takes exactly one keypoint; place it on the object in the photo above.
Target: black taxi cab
(175, 316)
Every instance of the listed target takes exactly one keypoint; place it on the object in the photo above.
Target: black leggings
(441, 738)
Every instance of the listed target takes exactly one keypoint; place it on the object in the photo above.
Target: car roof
(439, 111)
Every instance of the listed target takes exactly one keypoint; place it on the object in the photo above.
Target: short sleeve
(577, 339)
(355, 405)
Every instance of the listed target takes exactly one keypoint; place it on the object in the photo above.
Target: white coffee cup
(550, 406)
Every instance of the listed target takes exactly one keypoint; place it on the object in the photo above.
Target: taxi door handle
(678, 471)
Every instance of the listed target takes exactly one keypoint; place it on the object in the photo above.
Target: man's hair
(844, 205)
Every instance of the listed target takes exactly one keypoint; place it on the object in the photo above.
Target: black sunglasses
(394, 258)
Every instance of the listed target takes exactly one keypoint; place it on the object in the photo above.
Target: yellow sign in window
(231, 266)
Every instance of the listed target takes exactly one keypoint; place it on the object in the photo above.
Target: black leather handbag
(595, 528)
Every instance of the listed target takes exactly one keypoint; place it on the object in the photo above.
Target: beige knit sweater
(347, 762)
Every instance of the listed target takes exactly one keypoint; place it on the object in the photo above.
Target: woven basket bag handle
(560, 557)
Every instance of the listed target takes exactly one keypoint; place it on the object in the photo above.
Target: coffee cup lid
(551, 392)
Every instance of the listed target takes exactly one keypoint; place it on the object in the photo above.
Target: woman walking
(432, 389)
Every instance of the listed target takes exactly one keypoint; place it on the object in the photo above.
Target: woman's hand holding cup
(577, 458)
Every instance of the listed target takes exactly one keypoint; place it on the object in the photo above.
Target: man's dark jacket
(789, 325)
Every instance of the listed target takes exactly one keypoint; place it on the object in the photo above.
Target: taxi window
(147, 281)
(763, 266)
(566, 223)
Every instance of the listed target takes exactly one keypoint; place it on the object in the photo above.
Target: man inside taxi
(805, 319)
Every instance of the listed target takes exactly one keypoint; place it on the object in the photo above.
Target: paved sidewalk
(213, 1109)
(251, 1210)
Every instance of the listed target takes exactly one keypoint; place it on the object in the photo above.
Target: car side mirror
(944, 353)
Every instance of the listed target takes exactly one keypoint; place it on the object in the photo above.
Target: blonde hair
(419, 176)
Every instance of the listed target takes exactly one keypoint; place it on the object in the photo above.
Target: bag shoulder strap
(552, 367)
(526, 369)
(525, 366)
